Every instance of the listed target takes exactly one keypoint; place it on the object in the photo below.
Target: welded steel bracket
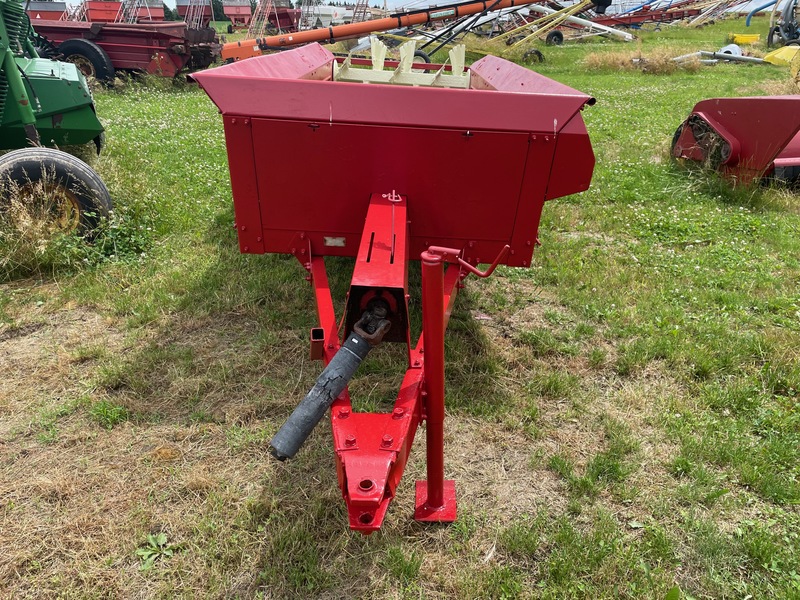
(372, 448)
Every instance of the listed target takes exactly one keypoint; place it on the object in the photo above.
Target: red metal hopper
(328, 159)
(743, 138)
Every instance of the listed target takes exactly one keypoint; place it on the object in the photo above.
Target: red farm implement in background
(649, 15)
(745, 139)
(285, 18)
(146, 11)
(196, 13)
(46, 10)
(277, 14)
(105, 37)
(369, 199)
(101, 49)
(239, 12)
(96, 11)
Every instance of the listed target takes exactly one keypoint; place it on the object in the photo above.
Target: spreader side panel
(320, 181)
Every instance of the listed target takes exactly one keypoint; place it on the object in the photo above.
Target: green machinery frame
(42, 101)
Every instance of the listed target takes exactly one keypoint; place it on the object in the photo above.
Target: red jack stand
(436, 497)
(372, 449)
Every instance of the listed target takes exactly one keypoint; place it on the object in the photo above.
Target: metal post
(436, 498)
(433, 330)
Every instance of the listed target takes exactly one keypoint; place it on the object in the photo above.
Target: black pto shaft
(366, 334)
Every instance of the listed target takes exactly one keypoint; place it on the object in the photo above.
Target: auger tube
(248, 48)
(755, 10)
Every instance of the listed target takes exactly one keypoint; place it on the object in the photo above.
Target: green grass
(108, 414)
(637, 388)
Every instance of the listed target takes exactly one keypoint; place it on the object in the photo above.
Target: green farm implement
(45, 103)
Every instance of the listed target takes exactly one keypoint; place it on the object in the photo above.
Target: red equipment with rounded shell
(744, 139)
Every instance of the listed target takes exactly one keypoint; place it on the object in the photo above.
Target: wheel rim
(84, 65)
(47, 208)
(419, 60)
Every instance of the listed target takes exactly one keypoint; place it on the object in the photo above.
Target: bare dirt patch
(39, 364)
(76, 505)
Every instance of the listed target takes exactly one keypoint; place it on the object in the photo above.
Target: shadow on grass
(235, 353)
(240, 330)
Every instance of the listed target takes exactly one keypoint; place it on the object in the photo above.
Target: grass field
(623, 417)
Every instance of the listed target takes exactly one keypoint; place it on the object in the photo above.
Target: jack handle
(445, 252)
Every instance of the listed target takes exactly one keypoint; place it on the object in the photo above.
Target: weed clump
(618, 61)
(39, 234)
(26, 233)
(658, 62)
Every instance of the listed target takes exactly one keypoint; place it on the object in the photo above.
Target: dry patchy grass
(78, 502)
(658, 61)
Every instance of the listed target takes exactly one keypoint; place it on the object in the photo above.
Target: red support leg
(436, 497)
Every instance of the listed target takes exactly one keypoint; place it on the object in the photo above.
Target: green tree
(219, 13)
(169, 14)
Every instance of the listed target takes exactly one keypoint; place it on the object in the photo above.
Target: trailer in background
(46, 10)
(101, 49)
(239, 12)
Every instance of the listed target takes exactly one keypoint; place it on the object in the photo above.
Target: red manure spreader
(358, 126)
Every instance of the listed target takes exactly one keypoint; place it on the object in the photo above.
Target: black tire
(423, 55)
(554, 38)
(533, 56)
(675, 137)
(55, 186)
(90, 59)
(230, 28)
(600, 6)
(771, 41)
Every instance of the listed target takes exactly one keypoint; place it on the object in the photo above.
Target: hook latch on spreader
(446, 252)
